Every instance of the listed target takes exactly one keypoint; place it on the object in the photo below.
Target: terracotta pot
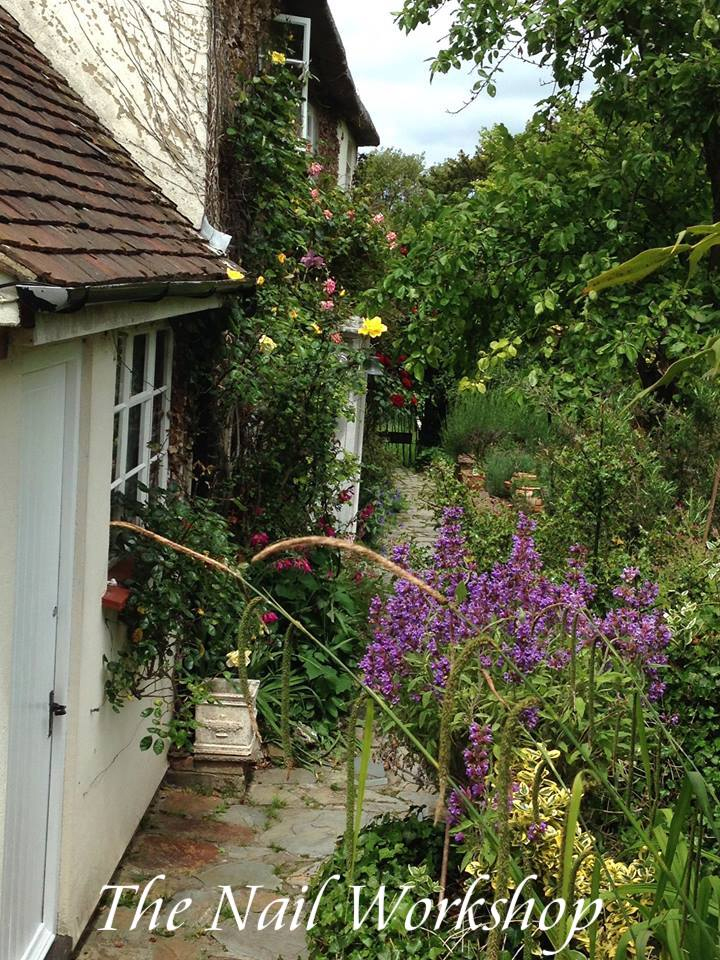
(526, 479)
(530, 494)
(474, 481)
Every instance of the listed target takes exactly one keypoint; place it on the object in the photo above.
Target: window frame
(126, 400)
(306, 24)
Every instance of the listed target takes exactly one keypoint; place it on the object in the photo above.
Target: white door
(40, 653)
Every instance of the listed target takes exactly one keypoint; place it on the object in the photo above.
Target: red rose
(397, 401)
(414, 400)
(404, 250)
(406, 380)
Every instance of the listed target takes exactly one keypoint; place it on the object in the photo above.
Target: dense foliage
(285, 374)
(510, 258)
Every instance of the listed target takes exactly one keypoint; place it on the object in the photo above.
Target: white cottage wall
(142, 66)
(109, 782)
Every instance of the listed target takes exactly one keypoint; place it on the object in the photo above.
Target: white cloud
(392, 73)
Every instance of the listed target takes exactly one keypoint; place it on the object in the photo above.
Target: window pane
(160, 356)
(157, 424)
(122, 343)
(131, 489)
(133, 448)
(138, 364)
(116, 444)
(290, 40)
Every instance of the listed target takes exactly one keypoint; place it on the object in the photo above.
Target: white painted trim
(40, 945)
(9, 308)
(306, 24)
(56, 327)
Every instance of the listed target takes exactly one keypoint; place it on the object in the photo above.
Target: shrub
(501, 464)
(392, 852)
(477, 421)
(182, 622)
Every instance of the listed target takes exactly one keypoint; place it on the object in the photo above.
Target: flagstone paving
(416, 521)
(274, 838)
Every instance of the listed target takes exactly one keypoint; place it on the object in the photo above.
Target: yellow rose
(373, 327)
(278, 58)
(233, 658)
(294, 314)
(281, 258)
(316, 328)
(267, 344)
(260, 280)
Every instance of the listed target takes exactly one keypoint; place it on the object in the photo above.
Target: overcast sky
(392, 75)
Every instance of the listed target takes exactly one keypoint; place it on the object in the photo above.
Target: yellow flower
(278, 58)
(294, 314)
(372, 327)
(233, 658)
(281, 258)
(267, 344)
(316, 328)
(343, 293)
(200, 612)
(235, 274)
(260, 280)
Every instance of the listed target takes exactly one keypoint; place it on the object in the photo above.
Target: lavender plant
(517, 624)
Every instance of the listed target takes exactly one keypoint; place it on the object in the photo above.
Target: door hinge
(54, 710)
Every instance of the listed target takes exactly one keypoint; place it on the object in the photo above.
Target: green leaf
(635, 269)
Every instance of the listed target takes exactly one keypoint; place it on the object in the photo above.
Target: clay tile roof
(75, 209)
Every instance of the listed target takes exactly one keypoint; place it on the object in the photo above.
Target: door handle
(54, 710)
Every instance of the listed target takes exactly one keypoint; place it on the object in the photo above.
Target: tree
(560, 202)
(390, 180)
(457, 174)
(658, 60)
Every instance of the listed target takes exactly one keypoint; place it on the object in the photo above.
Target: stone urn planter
(227, 726)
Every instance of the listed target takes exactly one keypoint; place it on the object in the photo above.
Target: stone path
(275, 837)
(416, 522)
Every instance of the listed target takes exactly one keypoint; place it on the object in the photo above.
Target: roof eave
(56, 298)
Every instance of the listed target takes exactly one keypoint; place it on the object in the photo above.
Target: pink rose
(379, 218)
(327, 304)
(328, 214)
(259, 540)
(269, 617)
(330, 286)
(315, 193)
(315, 169)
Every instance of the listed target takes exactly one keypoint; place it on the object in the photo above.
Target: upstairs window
(293, 39)
(142, 413)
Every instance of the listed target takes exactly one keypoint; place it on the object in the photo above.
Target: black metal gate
(402, 434)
